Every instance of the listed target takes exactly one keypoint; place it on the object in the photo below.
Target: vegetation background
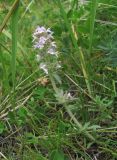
(33, 124)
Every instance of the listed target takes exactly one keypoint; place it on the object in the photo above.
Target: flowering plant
(48, 56)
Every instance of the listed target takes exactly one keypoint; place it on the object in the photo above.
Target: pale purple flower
(42, 31)
(39, 30)
(42, 37)
(41, 42)
(38, 45)
(44, 41)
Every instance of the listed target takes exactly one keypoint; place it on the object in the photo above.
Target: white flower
(43, 66)
(69, 96)
(53, 44)
(58, 66)
(52, 51)
(49, 31)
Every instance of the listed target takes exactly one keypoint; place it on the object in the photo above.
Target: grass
(77, 48)
(94, 5)
(14, 47)
(36, 122)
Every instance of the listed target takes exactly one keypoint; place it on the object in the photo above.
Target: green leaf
(22, 112)
(1, 72)
(57, 155)
(11, 117)
(57, 78)
(1, 127)
(94, 4)
(39, 93)
(31, 139)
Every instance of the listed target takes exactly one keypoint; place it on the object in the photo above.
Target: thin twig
(3, 155)
(8, 15)
(5, 114)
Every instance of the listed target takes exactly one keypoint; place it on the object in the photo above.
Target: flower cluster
(48, 55)
(48, 58)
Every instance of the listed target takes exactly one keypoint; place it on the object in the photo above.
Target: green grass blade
(94, 4)
(3, 75)
(19, 45)
(14, 43)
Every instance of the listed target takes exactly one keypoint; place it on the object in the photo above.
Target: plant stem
(69, 111)
(94, 4)
(14, 6)
(14, 46)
